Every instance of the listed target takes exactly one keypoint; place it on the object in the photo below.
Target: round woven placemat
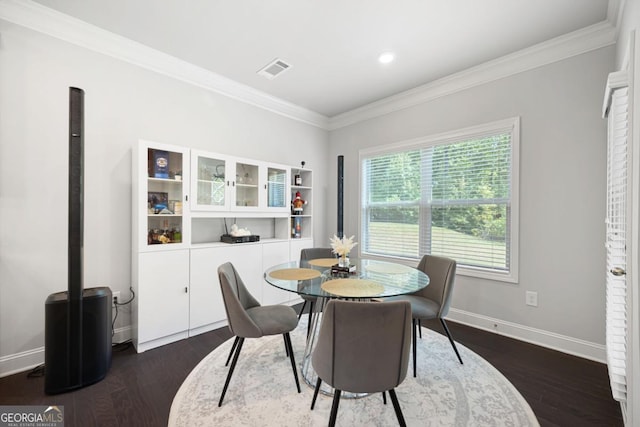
(354, 288)
(295, 274)
(323, 262)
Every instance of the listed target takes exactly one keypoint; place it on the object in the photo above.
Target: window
(453, 195)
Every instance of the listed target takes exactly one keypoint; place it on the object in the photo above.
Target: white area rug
(262, 391)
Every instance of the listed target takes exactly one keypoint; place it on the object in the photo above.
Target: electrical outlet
(116, 298)
(531, 298)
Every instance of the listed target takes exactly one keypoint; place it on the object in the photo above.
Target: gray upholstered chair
(305, 256)
(433, 301)
(248, 319)
(363, 347)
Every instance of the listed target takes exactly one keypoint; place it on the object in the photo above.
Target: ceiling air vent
(274, 68)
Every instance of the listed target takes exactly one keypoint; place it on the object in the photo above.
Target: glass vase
(343, 261)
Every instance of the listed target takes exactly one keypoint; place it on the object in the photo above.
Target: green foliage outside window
(465, 184)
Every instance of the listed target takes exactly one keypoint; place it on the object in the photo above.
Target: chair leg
(415, 353)
(304, 304)
(384, 398)
(233, 366)
(286, 347)
(396, 406)
(287, 340)
(334, 407)
(315, 393)
(233, 347)
(453, 344)
(420, 328)
(309, 319)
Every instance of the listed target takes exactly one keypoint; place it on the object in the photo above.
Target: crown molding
(53, 23)
(37, 17)
(615, 9)
(575, 43)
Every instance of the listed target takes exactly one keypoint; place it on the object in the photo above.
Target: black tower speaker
(340, 196)
(62, 373)
(77, 322)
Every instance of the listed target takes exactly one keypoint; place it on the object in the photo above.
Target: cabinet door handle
(186, 197)
(186, 289)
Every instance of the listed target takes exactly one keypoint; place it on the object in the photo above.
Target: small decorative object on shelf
(177, 208)
(296, 230)
(160, 164)
(342, 247)
(157, 202)
(164, 235)
(297, 204)
(298, 177)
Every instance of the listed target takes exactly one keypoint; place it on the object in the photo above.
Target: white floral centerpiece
(342, 247)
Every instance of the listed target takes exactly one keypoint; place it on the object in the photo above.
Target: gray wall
(123, 103)
(562, 189)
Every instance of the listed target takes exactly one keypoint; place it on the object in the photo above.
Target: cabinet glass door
(246, 185)
(165, 193)
(276, 187)
(211, 183)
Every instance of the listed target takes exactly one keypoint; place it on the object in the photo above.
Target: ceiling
(333, 45)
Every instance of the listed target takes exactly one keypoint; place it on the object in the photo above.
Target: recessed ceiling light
(386, 57)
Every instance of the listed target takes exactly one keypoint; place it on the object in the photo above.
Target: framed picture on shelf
(157, 201)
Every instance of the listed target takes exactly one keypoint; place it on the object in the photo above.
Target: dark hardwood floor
(562, 390)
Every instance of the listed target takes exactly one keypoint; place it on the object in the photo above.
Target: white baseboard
(121, 335)
(207, 328)
(563, 343)
(19, 362)
(26, 360)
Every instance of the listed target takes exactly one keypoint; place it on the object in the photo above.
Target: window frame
(510, 125)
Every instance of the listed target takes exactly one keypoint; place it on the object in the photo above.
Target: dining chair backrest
(363, 347)
(314, 253)
(442, 273)
(237, 300)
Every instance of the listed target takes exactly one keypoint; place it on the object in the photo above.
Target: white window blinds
(470, 189)
(616, 241)
(450, 196)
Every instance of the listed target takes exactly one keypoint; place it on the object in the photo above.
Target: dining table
(363, 280)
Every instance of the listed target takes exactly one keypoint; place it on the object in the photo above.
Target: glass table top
(371, 279)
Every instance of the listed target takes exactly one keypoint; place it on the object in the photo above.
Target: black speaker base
(60, 373)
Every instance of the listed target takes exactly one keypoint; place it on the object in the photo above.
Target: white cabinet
(276, 188)
(246, 185)
(160, 244)
(247, 259)
(160, 198)
(210, 181)
(161, 306)
(272, 254)
(206, 303)
(183, 200)
(302, 218)
(228, 184)
(260, 187)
